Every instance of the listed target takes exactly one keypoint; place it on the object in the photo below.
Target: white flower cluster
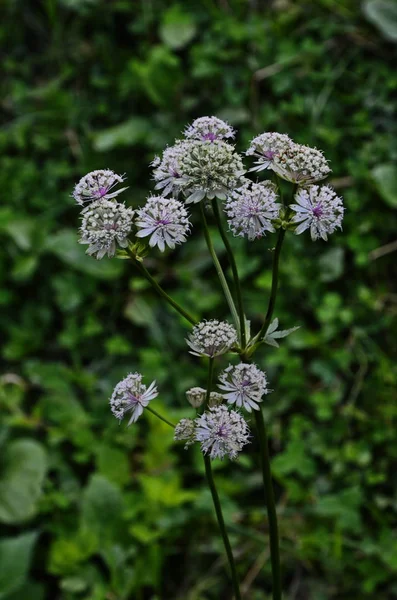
(251, 209)
(202, 165)
(318, 209)
(293, 162)
(243, 385)
(211, 338)
(221, 432)
(131, 395)
(97, 185)
(105, 225)
(209, 128)
(165, 220)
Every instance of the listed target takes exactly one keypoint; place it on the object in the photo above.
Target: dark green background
(93, 510)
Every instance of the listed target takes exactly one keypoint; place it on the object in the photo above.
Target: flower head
(196, 396)
(167, 170)
(199, 169)
(211, 338)
(243, 385)
(317, 208)
(301, 164)
(105, 224)
(215, 399)
(185, 431)
(267, 147)
(166, 220)
(251, 210)
(131, 395)
(221, 432)
(97, 185)
(209, 128)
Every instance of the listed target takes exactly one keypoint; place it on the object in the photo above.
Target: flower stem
(221, 523)
(215, 497)
(233, 265)
(154, 412)
(160, 290)
(273, 292)
(219, 270)
(270, 504)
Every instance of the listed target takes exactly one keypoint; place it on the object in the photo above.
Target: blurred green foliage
(90, 509)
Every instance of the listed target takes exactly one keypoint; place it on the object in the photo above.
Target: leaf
(129, 133)
(21, 481)
(385, 177)
(102, 508)
(178, 28)
(383, 14)
(65, 246)
(331, 264)
(15, 558)
(272, 333)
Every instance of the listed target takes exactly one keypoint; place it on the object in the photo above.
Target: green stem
(273, 292)
(270, 505)
(215, 497)
(218, 268)
(209, 379)
(154, 412)
(233, 265)
(160, 290)
(222, 527)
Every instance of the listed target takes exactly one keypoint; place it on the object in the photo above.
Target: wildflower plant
(203, 174)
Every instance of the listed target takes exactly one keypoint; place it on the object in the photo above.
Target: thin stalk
(233, 265)
(270, 505)
(160, 290)
(273, 292)
(215, 498)
(219, 270)
(154, 412)
(222, 527)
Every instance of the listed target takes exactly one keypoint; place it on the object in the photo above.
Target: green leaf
(383, 14)
(129, 133)
(113, 464)
(23, 471)
(102, 508)
(15, 558)
(385, 177)
(65, 246)
(178, 28)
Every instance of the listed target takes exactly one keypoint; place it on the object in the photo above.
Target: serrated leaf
(102, 508)
(272, 333)
(21, 479)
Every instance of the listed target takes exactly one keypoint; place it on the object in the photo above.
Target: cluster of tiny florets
(131, 395)
(97, 185)
(199, 169)
(105, 225)
(243, 385)
(293, 162)
(168, 170)
(211, 338)
(319, 209)
(185, 431)
(267, 147)
(251, 210)
(209, 128)
(165, 220)
(301, 164)
(221, 432)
